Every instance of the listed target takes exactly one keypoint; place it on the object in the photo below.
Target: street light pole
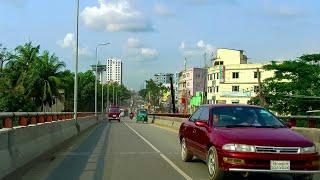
(75, 99)
(96, 81)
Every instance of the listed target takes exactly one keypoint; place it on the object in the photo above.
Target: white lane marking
(174, 166)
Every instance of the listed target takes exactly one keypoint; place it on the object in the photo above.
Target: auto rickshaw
(142, 115)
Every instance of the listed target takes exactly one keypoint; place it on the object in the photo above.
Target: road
(121, 151)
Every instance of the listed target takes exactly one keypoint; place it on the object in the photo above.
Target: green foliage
(153, 92)
(294, 85)
(30, 80)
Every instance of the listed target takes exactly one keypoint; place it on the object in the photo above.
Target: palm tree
(20, 65)
(46, 75)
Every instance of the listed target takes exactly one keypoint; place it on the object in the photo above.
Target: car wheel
(119, 120)
(303, 177)
(213, 165)
(185, 154)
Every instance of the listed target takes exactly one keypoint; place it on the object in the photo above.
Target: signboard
(235, 94)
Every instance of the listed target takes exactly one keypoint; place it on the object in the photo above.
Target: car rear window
(114, 110)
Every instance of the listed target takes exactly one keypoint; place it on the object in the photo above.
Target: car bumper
(273, 171)
(260, 162)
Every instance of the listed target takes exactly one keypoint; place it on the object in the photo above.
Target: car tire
(303, 177)
(214, 171)
(119, 120)
(186, 155)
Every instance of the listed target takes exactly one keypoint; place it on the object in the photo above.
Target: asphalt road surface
(122, 151)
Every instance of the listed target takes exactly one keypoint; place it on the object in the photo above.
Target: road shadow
(85, 161)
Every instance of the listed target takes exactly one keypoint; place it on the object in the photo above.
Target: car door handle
(194, 131)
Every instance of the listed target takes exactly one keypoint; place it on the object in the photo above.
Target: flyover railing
(12, 119)
(304, 121)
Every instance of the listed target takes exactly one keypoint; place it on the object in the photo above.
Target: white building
(114, 70)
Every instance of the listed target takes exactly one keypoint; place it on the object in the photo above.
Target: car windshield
(114, 110)
(244, 117)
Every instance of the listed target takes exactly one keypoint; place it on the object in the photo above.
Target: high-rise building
(114, 70)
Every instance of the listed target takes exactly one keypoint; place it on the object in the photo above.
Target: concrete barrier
(171, 122)
(20, 145)
(313, 134)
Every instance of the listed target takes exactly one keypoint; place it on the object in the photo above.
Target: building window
(217, 90)
(235, 102)
(210, 89)
(217, 75)
(235, 88)
(256, 89)
(214, 76)
(255, 75)
(235, 75)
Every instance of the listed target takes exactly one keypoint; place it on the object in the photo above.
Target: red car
(246, 139)
(114, 113)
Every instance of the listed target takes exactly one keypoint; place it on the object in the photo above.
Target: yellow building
(232, 80)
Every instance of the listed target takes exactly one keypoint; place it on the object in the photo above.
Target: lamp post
(96, 81)
(75, 99)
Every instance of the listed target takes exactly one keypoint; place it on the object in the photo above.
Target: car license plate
(280, 165)
(114, 115)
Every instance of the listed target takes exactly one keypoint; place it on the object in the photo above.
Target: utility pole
(75, 98)
(172, 95)
(113, 95)
(261, 98)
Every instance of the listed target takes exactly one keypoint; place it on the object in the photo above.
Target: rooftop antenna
(205, 60)
(185, 63)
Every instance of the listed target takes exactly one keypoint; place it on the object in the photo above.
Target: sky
(154, 36)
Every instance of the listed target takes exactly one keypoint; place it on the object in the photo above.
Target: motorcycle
(131, 116)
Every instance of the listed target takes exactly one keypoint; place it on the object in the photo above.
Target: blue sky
(154, 36)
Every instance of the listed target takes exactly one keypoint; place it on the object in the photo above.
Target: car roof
(114, 107)
(230, 105)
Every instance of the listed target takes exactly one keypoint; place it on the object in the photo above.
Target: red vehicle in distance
(114, 113)
(246, 139)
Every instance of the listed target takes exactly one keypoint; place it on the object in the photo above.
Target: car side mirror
(288, 124)
(201, 123)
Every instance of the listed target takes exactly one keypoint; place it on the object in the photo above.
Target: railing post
(312, 123)
(23, 121)
(293, 122)
(7, 123)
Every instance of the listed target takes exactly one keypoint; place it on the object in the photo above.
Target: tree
(46, 78)
(86, 91)
(153, 92)
(294, 89)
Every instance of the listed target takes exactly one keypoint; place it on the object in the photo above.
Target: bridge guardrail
(311, 121)
(12, 119)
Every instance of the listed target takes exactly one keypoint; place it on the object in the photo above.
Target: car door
(201, 134)
(189, 131)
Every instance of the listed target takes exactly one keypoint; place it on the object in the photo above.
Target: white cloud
(69, 43)
(162, 10)
(149, 53)
(137, 51)
(206, 47)
(133, 43)
(197, 49)
(117, 16)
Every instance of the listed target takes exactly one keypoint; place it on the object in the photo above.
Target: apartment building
(232, 80)
(114, 70)
(191, 81)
